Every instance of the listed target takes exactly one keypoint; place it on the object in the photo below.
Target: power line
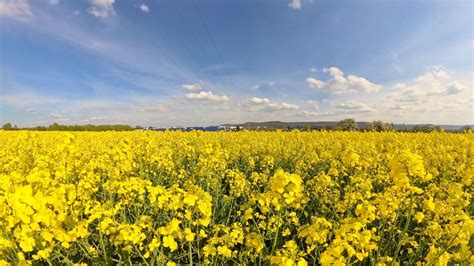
(194, 38)
(213, 43)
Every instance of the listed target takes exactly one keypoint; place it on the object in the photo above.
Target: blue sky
(200, 62)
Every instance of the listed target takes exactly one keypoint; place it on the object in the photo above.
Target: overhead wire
(203, 21)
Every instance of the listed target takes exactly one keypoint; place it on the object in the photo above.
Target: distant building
(227, 128)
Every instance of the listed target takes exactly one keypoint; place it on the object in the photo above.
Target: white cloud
(255, 87)
(259, 101)
(16, 9)
(295, 4)
(147, 107)
(57, 114)
(340, 84)
(455, 88)
(314, 70)
(360, 107)
(61, 120)
(360, 83)
(435, 82)
(76, 12)
(313, 104)
(53, 2)
(436, 74)
(98, 118)
(351, 109)
(25, 99)
(282, 106)
(399, 86)
(101, 8)
(194, 86)
(207, 96)
(321, 114)
(315, 83)
(269, 105)
(144, 8)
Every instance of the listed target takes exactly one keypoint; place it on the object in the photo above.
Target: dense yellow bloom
(316, 232)
(283, 198)
(169, 242)
(285, 191)
(255, 242)
(419, 217)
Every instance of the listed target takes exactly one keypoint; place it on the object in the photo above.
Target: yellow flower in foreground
(224, 251)
(419, 216)
(169, 242)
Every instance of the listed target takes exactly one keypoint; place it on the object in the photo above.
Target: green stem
(140, 254)
(262, 238)
(405, 229)
(230, 211)
(446, 247)
(190, 251)
(277, 233)
(103, 247)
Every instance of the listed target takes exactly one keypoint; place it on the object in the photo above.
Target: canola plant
(238, 198)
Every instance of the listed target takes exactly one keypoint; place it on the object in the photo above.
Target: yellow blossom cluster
(282, 198)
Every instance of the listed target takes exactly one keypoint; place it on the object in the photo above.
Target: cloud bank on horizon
(182, 63)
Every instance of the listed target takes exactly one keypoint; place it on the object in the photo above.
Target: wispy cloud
(28, 99)
(256, 87)
(295, 4)
(16, 9)
(313, 104)
(360, 107)
(193, 86)
(146, 58)
(53, 2)
(101, 8)
(144, 8)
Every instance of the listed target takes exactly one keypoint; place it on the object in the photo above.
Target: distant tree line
(58, 127)
(377, 126)
(426, 128)
(343, 125)
(380, 126)
(348, 124)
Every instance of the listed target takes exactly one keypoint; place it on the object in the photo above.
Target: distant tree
(466, 129)
(380, 126)
(426, 128)
(38, 128)
(7, 126)
(59, 127)
(54, 127)
(238, 128)
(347, 125)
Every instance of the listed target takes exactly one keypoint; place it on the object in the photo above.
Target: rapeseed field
(239, 198)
